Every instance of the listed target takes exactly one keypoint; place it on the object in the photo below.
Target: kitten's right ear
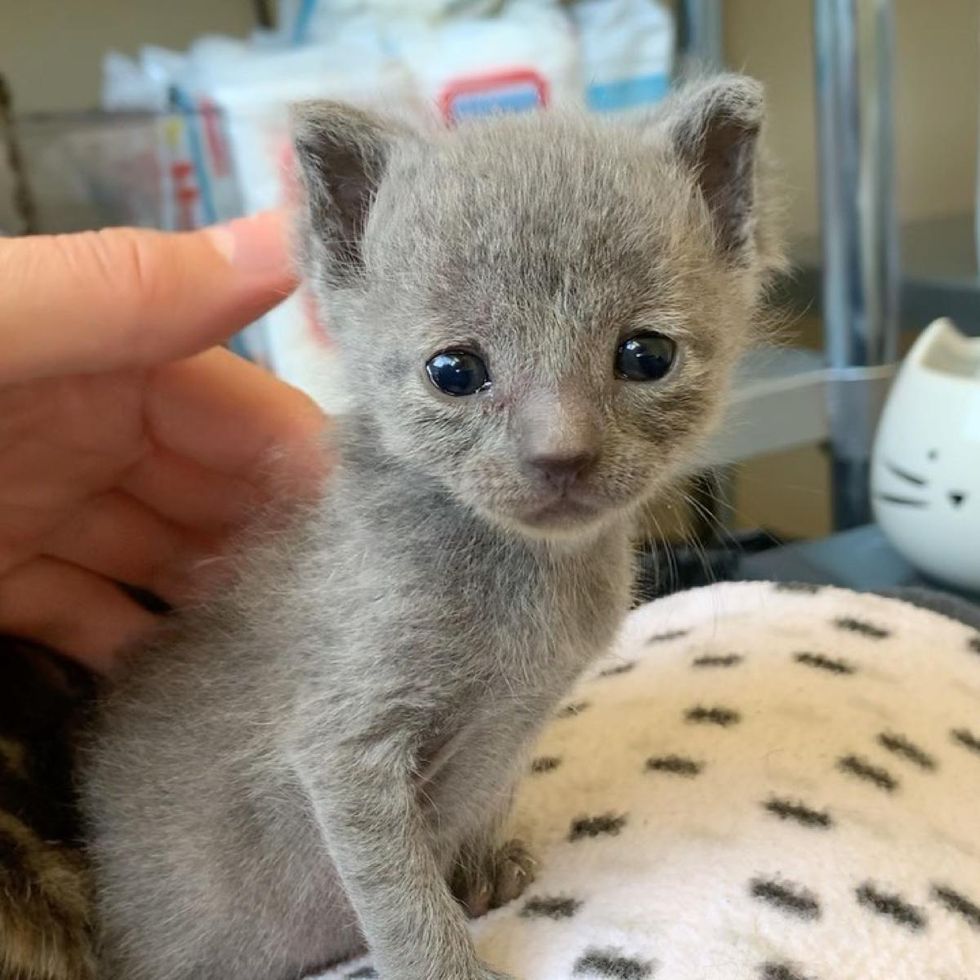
(342, 153)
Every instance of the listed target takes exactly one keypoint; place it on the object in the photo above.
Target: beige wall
(936, 98)
(51, 51)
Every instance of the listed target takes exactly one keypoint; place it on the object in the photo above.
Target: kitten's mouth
(566, 513)
(560, 515)
(564, 509)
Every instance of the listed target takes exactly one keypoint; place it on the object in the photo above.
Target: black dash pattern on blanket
(891, 906)
(795, 899)
(958, 903)
(550, 907)
(901, 746)
(668, 636)
(780, 971)
(967, 739)
(820, 661)
(723, 717)
(676, 765)
(545, 763)
(883, 767)
(606, 824)
(718, 660)
(799, 813)
(854, 765)
(611, 964)
(861, 627)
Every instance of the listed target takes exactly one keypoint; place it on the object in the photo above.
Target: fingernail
(257, 245)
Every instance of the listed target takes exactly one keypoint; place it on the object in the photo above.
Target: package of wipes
(525, 57)
(627, 52)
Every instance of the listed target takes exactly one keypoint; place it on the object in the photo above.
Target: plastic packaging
(627, 50)
(197, 186)
(315, 21)
(524, 58)
(127, 86)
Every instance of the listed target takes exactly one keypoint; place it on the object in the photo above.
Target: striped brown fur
(44, 887)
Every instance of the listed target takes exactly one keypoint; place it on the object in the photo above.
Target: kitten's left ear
(714, 126)
(342, 152)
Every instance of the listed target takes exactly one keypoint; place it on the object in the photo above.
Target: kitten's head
(541, 312)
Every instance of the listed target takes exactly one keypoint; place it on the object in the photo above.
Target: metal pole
(701, 38)
(854, 55)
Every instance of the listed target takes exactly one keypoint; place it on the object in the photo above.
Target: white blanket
(761, 783)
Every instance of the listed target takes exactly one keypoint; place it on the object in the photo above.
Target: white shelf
(779, 402)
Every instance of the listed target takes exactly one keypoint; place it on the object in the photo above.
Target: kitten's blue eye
(458, 372)
(645, 357)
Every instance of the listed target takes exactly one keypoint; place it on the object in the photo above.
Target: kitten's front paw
(499, 878)
(514, 872)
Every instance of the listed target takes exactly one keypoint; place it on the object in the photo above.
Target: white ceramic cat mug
(925, 471)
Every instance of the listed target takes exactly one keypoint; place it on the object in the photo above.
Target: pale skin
(132, 445)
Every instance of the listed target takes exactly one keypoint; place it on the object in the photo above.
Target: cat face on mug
(544, 324)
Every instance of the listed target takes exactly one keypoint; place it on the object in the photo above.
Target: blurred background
(172, 115)
(52, 56)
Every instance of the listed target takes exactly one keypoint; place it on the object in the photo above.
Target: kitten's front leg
(376, 834)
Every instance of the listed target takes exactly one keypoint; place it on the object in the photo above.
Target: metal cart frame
(792, 398)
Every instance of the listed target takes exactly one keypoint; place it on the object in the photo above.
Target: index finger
(123, 297)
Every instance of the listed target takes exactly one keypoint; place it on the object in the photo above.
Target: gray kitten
(538, 317)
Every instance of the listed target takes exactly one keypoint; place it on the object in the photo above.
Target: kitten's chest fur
(398, 621)
(433, 618)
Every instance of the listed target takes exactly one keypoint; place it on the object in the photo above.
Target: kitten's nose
(560, 470)
(957, 498)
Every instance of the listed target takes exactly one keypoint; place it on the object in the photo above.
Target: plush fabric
(761, 783)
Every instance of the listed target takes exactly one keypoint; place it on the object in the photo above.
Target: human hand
(131, 447)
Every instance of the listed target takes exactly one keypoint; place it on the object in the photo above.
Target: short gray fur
(299, 767)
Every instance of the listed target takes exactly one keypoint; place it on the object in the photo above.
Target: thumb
(122, 297)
